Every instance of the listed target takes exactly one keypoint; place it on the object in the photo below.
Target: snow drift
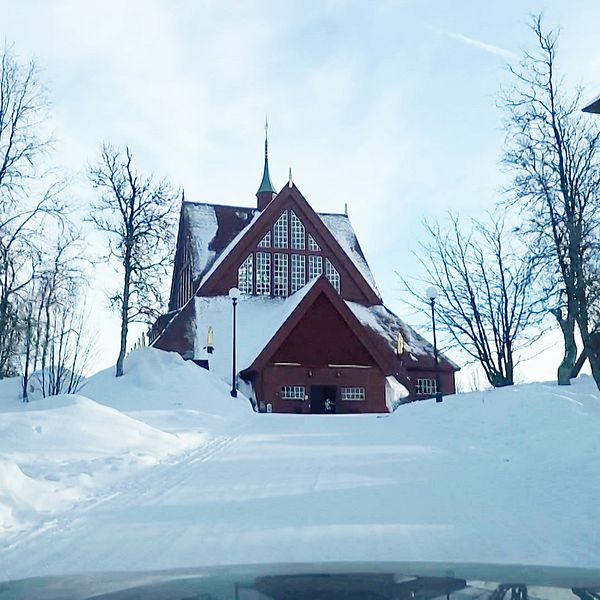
(63, 450)
(502, 476)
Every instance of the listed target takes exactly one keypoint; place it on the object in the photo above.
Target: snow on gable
(259, 318)
(384, 322)
(228, 249)
(202, 226)
(342, 230)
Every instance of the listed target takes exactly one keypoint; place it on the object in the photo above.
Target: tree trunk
(567, 327)
(579, 364)
(124, 314)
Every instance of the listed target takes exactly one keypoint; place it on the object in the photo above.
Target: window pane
(298, 271)
(280, 275)
(332, 274)
(281, 231)
(266, 241)
(245, 276)
(315, 266)
(263, 273)
(312, 245)
(298, 232)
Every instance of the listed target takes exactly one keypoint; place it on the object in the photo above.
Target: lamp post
(234, 294)
(432, 295)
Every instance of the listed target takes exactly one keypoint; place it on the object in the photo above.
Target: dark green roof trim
(266, 185)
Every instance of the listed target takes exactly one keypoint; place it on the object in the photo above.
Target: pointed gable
(343, 257)
(318, 305)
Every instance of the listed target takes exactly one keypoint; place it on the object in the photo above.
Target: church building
(312, 332)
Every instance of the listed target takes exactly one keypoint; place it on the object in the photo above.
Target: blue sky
(387, 106)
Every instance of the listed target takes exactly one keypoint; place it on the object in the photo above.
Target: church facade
(313, 334)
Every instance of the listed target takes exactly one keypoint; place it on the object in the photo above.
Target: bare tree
(487, 302)
(23, 110)
(552, 151)
(138, 214)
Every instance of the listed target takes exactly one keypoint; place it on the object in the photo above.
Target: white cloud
(489, 48)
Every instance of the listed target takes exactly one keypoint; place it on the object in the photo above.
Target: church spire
(266, 191)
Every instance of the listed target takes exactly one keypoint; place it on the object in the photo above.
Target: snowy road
(438, 483)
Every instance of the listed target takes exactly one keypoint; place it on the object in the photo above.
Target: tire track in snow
(157, 480)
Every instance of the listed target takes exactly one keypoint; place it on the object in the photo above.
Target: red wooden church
(313, 334)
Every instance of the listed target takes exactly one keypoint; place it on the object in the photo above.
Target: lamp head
(431, 292)
(234, 293)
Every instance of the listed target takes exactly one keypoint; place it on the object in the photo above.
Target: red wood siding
(273, 377)
(322, 337)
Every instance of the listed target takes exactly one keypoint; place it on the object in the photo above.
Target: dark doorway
(322, 399)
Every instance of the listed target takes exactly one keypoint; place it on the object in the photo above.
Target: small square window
(426, 386)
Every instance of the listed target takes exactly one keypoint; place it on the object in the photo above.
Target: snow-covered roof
(385, 323)
(593, 106)
(343, 232)
(214, 230)
(259, 318)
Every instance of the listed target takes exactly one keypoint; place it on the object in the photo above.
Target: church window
(280, 274)
(263, 273)
(280, 233)
(298, 232)
(312, 245)
(293, 392)
(332, 274)
(266, 241)
(245, 276)
(426, 386)
(298, 271)
(353, 393)
(315, 266)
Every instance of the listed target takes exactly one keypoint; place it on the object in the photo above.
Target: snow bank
(502, 476)
(163, 390)
(62, 450)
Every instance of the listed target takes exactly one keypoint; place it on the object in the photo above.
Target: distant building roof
(593, 107)
(213, 227)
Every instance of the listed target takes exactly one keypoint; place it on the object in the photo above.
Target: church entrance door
(322, 399)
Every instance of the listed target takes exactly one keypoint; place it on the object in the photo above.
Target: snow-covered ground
(164, 469)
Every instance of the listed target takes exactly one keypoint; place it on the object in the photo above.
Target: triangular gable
(321, 287)
(250, 237)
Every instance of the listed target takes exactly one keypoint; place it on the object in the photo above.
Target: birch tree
(552, 151)
(137, 214)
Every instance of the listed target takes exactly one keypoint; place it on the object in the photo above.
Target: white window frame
(266, 241)
(298, 232)
(333, 275)
(280, 274)
(280, 231)
(353, 394)
(263, 273)
(312, 245)
(298, 278)
(245, 274)
(426, 386)
(293, 392)
(315, 266)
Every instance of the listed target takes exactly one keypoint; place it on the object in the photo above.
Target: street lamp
(234, 294)
(432, 295)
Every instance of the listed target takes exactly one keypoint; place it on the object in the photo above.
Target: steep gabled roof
(213, 230)
(335, 231)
